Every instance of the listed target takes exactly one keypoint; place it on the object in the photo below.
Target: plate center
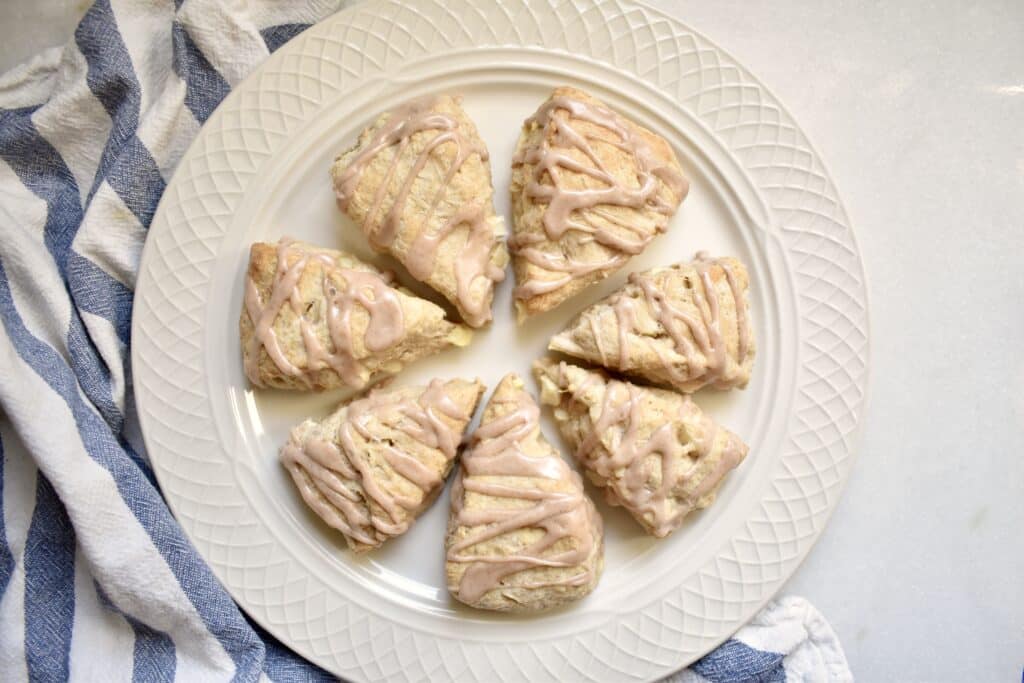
(296, 199)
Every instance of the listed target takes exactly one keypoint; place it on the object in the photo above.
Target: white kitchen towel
(97, 580)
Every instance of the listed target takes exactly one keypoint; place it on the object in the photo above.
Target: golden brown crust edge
(526, 271)
(518, 598)
(435, 335)
(471, 185)
(647, 352)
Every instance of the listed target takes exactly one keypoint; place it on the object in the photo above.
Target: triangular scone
(590, 188)
(686, 325)
(523, 535)
(374, 465)
(652, 450)
(418, 182)
(318, 318)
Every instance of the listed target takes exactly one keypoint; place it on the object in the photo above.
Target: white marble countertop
(918, 110)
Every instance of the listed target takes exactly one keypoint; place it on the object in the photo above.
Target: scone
(523, 536)
(419, 184)
(320, 319)
(590, 188)
(652, 450)
(687, 326)
(374, 465)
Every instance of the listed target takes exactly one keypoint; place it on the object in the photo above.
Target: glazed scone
(317, 318)
(523, 536)
(418, 182)
(652, 450)
(687, 326)
(589, 189)
(379, 461)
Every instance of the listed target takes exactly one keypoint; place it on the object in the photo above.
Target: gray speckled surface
(30, 26)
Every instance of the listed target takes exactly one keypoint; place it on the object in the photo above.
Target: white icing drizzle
(497, 451)
(343, 290)
(575, 209)
(324, 470)
(473, 260)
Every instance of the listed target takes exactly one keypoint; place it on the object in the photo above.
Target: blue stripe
(211, 602)
(281, 664)
(204, 86)
(42, 170)
(108, 298)
(49, 587)
(153, 658)
(134, 176)
(93, 375)
(276, 36)
(6, 556)
(126, 164)
(736, 662)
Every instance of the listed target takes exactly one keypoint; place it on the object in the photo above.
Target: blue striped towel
(97, 580)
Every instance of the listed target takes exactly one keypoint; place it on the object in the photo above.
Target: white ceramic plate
(258, 170)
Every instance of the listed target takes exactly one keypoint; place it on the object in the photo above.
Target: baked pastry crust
(377, 462)
(418, 182)
(589, 189)
(652, 450)
(318, 318)
(523, 535)
(686, 326)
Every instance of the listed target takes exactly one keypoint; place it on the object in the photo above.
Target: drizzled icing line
(497, 450)
(325, 467)
(659, 502)
(574, 209)
(473, 261)
(707, 360)
(343, 290)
